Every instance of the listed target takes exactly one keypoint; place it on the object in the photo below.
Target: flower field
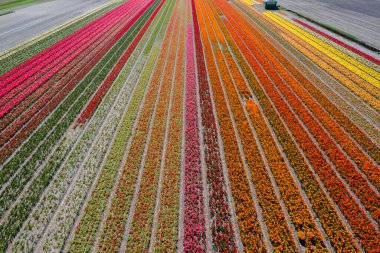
(189, 126)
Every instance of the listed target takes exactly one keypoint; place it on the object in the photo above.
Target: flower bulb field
(189, 126)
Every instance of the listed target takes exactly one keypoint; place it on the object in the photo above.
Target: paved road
(360, 18)
(30, 21)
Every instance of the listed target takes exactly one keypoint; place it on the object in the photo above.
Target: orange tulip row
(140, 231)
(355, 215)
(167, 221)
(330, 66)
(110, 237)
(250, 231)
(345, 167)
(363, 160)
(300, 216)
(273, 215)
(333, 103)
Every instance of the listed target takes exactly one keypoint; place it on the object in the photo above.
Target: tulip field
(189, 126)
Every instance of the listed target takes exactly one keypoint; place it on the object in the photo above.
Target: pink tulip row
(35, 75)
(222, 232)
(34, 115)
(93, 104)
(194, 221)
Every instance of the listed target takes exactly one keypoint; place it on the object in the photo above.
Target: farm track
(189, 125)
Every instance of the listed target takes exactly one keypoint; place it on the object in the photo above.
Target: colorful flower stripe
(223, 237)
(141, 223)
(320, 202)
(328, 65)
(274, 217)
(167, 217)
(347, 72)
(339, 42)
(194, 221)
(363, 161)
(92, 105)
(308, 233)
(354, 214)
(89, 83)
(111, 235)
(30, 83)
(342, 119)
(24, 111)
(88, 226)
(356, 67)
(249, 226)
(25, 70)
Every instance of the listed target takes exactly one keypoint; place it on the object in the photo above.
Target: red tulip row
(97, 98)
(194, 220)
(167, 221)
(57, 87)
(346, 168)
(321, 204)
(354, 214)
(111, 235)
(16, 90)
(222, 232)
(339, 42)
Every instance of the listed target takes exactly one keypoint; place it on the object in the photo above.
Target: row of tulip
(29, 198)
(320, 202)
(345, 167)
(17, 55)
(139, 234)
(247, 216)
(45, 84)
(365, 72)
(96, 99)
(274, 217)
(306, 227)
(339, 42)
(68, 111)
(111, 235)
(26, 172)
(222, 232)
(166, 234)
(49, 62)
(32, 104)
(89, 222)
(54, 237)
(362, 159)
(43, 212)
(122, 41)
(194, 218)
(299, 134)
(361, 88)
(340, 103)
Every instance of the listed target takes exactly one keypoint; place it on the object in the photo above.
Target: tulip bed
(189, 125)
